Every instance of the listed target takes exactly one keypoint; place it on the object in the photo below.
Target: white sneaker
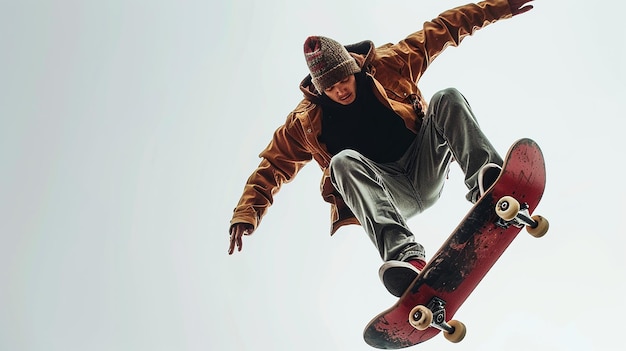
(488, 175)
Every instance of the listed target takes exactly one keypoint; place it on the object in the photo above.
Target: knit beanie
(328, 61)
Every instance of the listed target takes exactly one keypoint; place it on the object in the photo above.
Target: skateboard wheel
(507, 208)
(541, 229)
(420, 317)
(459, 332)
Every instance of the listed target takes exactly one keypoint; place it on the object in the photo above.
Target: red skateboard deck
(464, 259)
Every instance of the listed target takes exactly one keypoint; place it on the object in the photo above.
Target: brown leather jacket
(396, 70)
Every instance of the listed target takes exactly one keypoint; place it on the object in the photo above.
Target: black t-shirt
(366, 126)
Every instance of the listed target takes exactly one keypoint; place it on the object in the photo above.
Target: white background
(128, 128)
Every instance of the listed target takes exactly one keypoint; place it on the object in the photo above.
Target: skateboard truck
(511, 212)
(436, 307)
(434, 315)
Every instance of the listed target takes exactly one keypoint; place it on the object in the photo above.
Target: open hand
(237, 231)
(517, 6)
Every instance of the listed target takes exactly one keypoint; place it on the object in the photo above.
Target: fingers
(235, 240)
(237, 232)
(524, 9)
(519, 6)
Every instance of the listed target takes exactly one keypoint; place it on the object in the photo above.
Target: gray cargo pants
(383, 196)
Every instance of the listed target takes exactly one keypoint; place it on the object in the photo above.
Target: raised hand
(519, 6)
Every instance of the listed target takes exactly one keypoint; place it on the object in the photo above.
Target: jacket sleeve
(281, 160)
(419, 49)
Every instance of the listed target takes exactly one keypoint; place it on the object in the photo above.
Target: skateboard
(428, 305)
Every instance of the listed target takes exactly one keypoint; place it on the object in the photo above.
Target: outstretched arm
(281, 160)
(419, 49)
(517, 6)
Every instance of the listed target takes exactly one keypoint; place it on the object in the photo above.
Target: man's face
(344, 91)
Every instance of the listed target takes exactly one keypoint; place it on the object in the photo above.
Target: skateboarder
(384, 152)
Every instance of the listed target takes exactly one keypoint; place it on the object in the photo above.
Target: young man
(385, 155)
